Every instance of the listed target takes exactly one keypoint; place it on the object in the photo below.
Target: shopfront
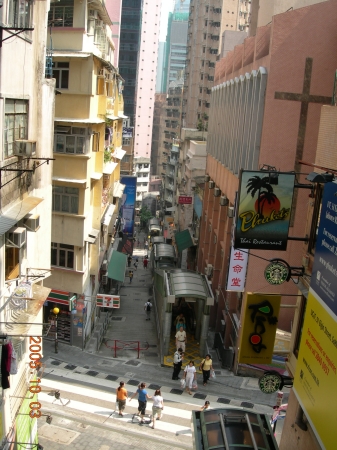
(70, 319)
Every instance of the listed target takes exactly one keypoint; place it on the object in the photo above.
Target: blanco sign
(237, 270)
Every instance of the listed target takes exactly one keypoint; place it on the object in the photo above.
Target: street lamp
(56, 311)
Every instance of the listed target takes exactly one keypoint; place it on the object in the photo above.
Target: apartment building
(115, 13)
(89, 115)
(26, 127)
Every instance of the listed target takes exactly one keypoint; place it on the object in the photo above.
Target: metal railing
(122, 345)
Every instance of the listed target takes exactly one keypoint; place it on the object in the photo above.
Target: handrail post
(115, 348)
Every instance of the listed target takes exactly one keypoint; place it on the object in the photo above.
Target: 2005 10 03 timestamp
(35, 388)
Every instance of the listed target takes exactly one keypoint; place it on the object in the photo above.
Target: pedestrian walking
(130, 275)
(147, 309)
(177, 363)
(157, 408)
(121, 396)
(181, 338)
(190, 374)
(180, 322)
(146, 245)
(129, 260)
(206, 367)
(145, 262)
(136, 264)
(142, 400)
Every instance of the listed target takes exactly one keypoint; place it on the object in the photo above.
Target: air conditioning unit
(209, 270)
(217, 192)
(207, 178)
(24, 147)
(32, 222)
(93, 14)
(224, 200)
(211, 184)
(105, 265)
(16, 237)
(230, 212)
(196, 241)
(105, 279)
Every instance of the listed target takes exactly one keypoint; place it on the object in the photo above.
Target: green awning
(117, 265)
(183, 240)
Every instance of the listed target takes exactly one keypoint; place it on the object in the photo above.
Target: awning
(109, 168)
(24, 316)
(60, 54)
(111, 117)
(119, 153)
(65, 119)
(108, 215)
(10, 217)
(96, 175)
(122, 116)
(69, 180)
(118, 189)
(117, 266)
(57, 296)
(183, 240)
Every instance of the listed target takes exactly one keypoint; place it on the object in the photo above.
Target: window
(126, 141)
(20, 13)
(72, 140)
(62, 255)
(16, 124)
(61, 16)
(61, 73)
(65, 199)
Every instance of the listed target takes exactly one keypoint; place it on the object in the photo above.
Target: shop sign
(263, 210)
(237, 270)
(316, 370)
(185, 200)
(127, 132)
(259, 327)
(276, 273)
(324, 272)
(128, 204)
(108, 301)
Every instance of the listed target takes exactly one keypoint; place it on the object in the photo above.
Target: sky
(166, 7)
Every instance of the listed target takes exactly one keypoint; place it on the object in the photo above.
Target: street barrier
(121, 345)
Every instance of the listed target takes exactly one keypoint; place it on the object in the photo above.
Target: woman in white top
(190, 374)
(158, 406)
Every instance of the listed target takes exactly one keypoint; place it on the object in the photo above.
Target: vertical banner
(315, 383)
(259, 326)
(237, 270)
(128, 204)
(324, 272)
(263, 210)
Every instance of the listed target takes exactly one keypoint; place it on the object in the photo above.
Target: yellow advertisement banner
(259, 327)
(315, 382)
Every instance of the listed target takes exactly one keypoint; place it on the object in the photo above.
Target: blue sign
(128, 204)
(324, 272)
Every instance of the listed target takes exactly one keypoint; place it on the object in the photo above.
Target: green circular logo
(270, 383)
(276, 273)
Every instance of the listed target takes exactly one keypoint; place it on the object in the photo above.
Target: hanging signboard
(259, 327)
(263, 210)
(324, 272)
(108, 301)
(127, 132)
(185, 200)
(237, 270)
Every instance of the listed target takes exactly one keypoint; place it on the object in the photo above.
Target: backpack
(148, 306)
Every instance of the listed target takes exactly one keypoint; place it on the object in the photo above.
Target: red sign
(184, 200)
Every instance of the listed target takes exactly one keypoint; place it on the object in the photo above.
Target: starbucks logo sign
(277, 272)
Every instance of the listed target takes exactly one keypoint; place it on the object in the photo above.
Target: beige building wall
(262, 11)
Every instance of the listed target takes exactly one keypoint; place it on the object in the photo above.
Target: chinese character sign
(237, 270)
(263, 212)
(259, 326)
(185, 200)
(108, 301)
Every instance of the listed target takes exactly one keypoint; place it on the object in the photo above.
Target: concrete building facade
(26, 126)
(115, 13)
(87, 150)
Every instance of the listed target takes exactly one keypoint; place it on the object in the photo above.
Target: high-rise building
(129, 49)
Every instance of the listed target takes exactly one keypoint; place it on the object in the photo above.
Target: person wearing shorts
(181, 339)
(158, 406)
(142, 400)
(122, 395)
